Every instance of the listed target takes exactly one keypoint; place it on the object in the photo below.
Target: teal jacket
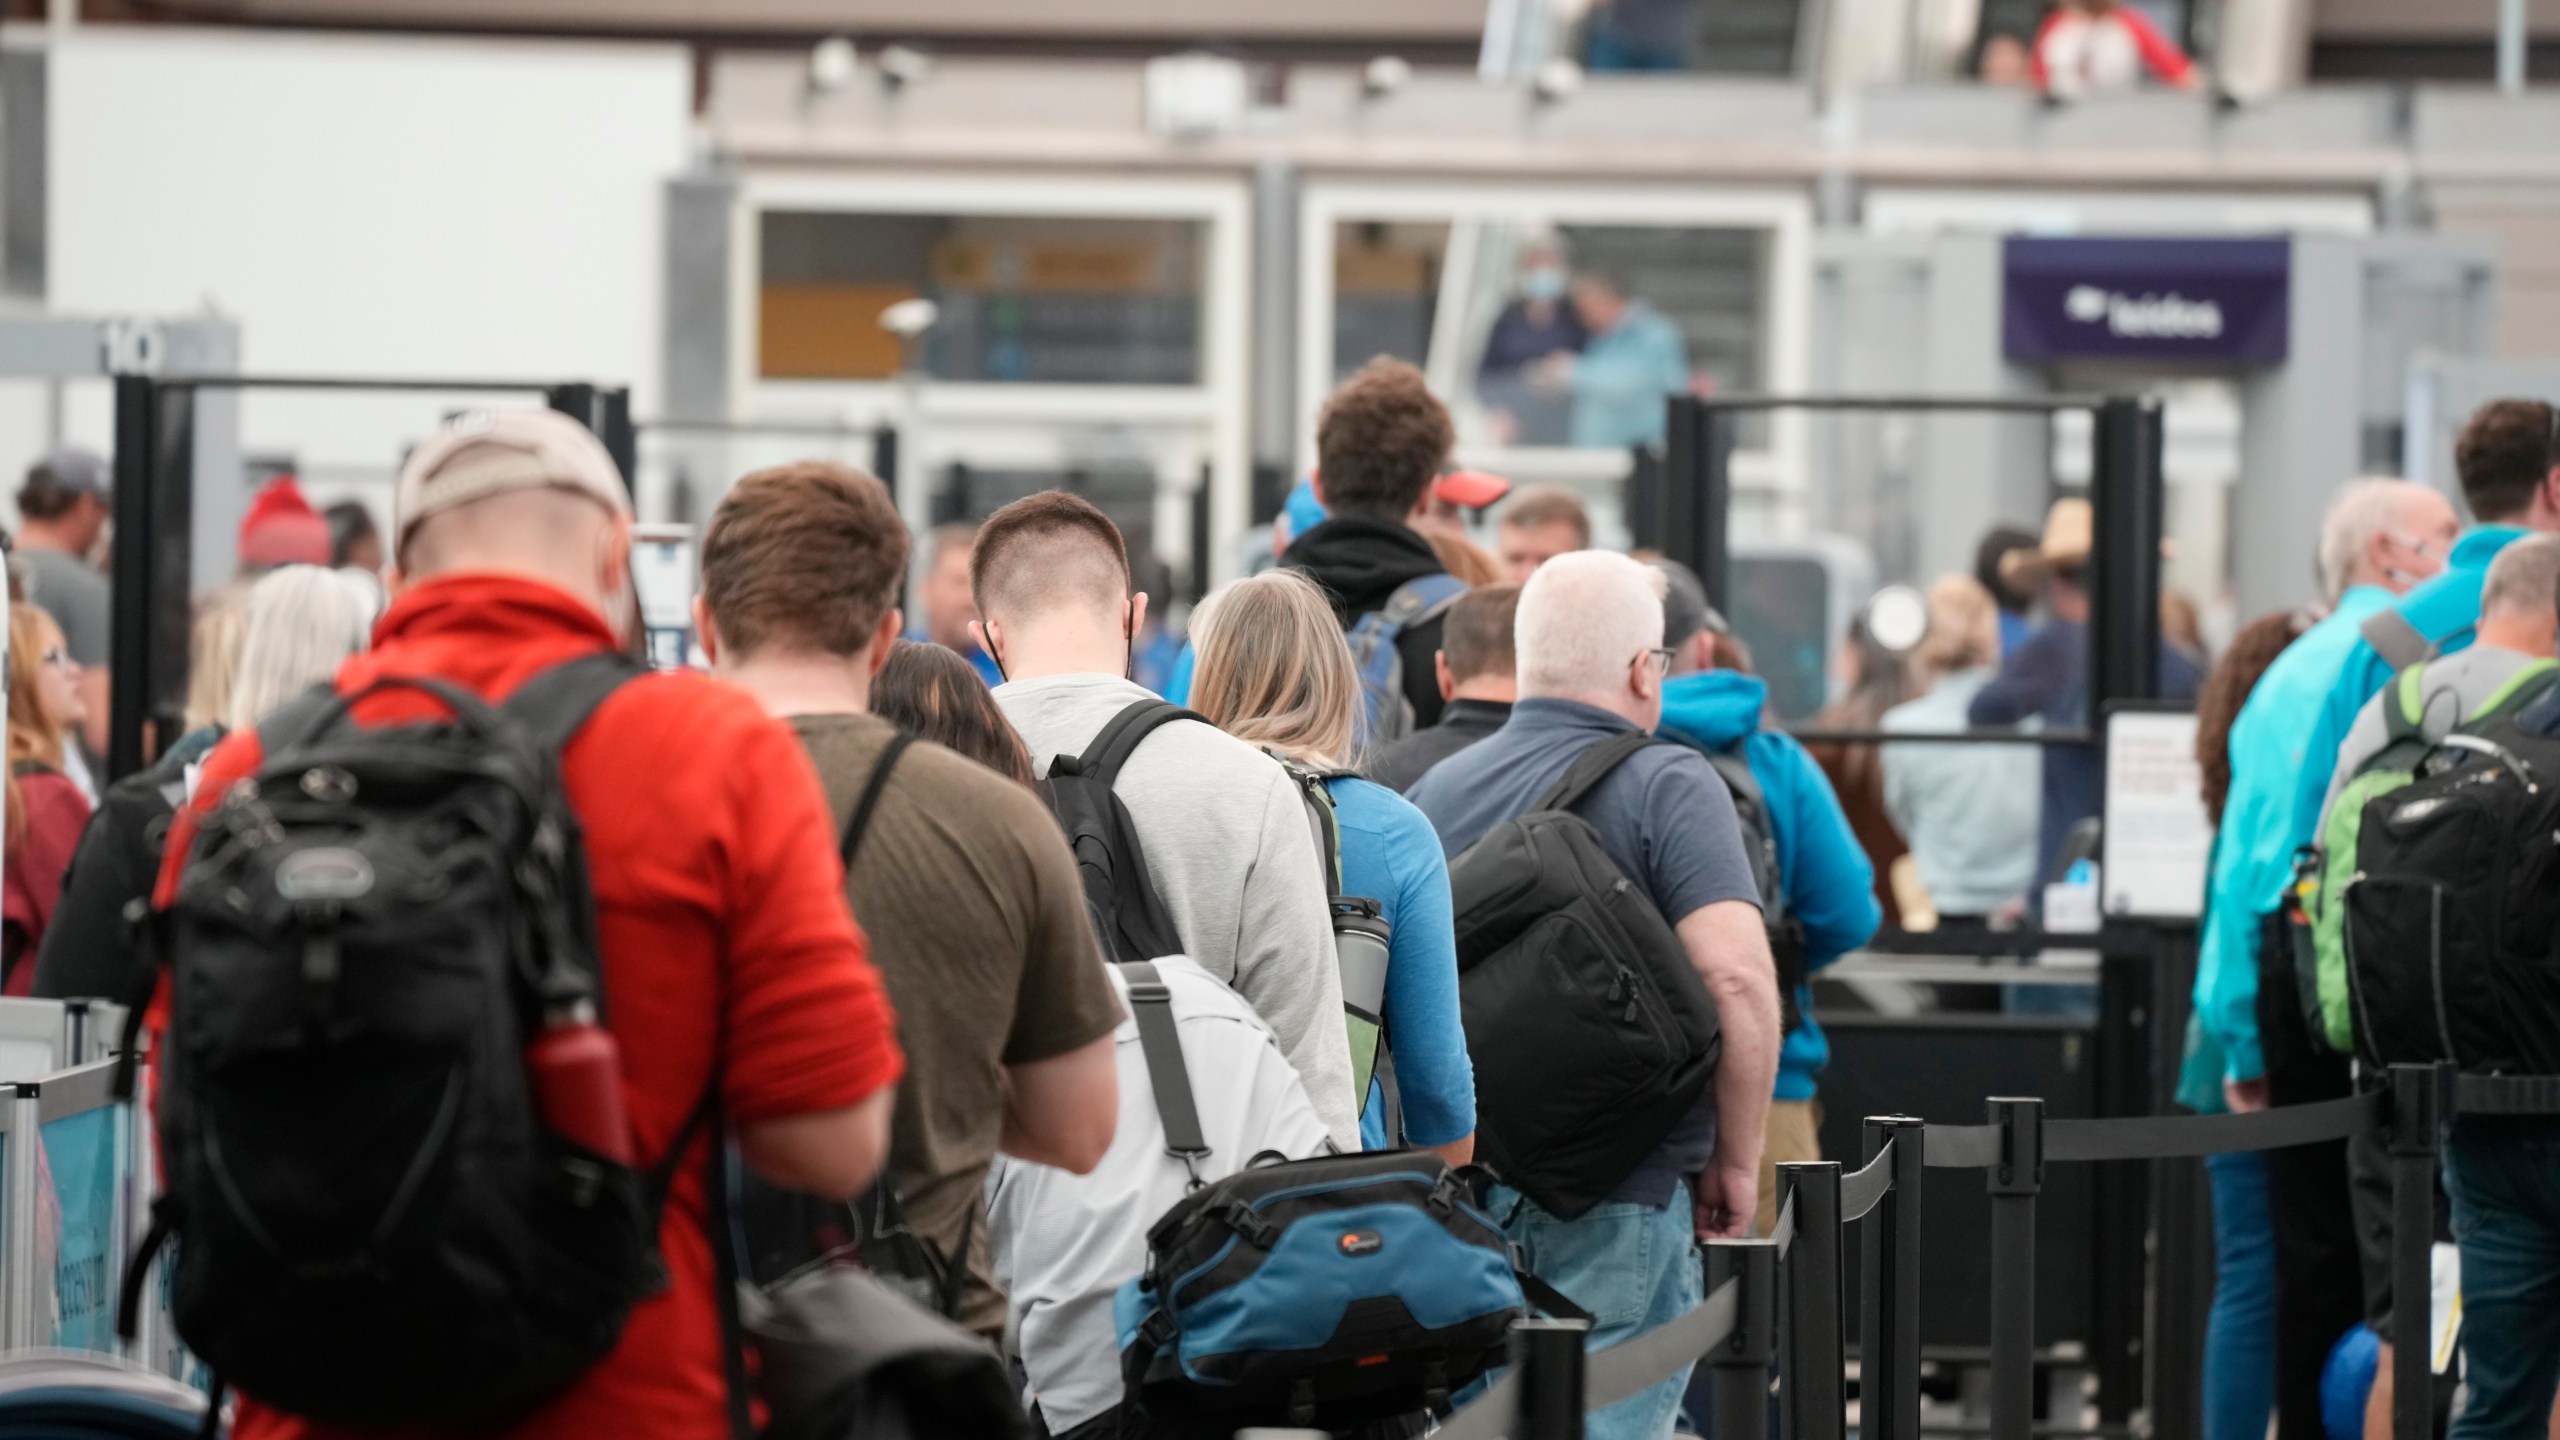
(1830, 885)
(2262, 825)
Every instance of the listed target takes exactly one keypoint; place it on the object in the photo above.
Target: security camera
(902, 66)
(1557, 80)
(910, 318)
(1384, 76)
(831, 65)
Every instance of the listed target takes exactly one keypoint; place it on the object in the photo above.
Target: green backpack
(2323, 872)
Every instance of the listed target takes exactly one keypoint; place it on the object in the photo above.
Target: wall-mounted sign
(2145, 299)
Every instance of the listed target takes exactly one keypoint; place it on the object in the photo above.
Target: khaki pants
(1794, 1133)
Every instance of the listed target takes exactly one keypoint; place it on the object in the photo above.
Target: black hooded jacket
(1360, 562)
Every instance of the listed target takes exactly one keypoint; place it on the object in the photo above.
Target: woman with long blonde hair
(1273, 671)
(45, 810)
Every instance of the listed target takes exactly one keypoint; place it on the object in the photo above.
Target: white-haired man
(1591, 662)
(2380, 540)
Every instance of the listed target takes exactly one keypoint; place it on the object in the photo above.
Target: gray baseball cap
(70, 468)
(1685, 610)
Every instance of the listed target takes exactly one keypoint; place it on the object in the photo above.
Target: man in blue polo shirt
(1591, 664)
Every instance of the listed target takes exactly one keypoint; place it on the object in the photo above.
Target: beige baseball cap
(489, 452)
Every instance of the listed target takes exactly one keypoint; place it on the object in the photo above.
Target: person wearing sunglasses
(45, 810)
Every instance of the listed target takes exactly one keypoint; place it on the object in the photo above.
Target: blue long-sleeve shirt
(1622, 378)
(1828, 880)
(1390, 854)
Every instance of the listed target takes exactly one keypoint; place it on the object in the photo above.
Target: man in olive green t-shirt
(960, 879)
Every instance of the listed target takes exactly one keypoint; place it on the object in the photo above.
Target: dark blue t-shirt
(1663, 815)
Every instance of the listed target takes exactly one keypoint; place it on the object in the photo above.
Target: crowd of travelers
(1426, 900)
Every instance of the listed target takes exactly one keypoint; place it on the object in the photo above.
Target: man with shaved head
(1591, 663)
(1223, 826)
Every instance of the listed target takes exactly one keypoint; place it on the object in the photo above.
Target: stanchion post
(1549, 1354)
(1739, 1367)
(1816, 1345)
(22, 1292)
(2014, 1183)
(2415, 1117)
(1889, 1311)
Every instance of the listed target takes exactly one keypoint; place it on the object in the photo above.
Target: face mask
(1543, 283)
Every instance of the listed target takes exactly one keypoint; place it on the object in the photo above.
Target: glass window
(1054, 300)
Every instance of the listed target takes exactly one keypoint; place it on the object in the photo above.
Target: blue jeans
(2240, 1335)
(2504, 1176)
(1633, 1267)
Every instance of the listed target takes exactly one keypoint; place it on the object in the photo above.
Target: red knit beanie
(282, 528)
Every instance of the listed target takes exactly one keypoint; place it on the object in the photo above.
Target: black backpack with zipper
(375, 1226)
(2454, 904)
(1127, 912)
(1592, 1033)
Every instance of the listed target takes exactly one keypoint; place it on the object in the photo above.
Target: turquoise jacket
(2263, 823)
(1830, 885)
(1622, 377)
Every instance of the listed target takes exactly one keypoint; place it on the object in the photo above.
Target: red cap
(282, 528)
(1472, 488)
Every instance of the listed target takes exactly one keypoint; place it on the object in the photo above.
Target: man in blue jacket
(1828, 884)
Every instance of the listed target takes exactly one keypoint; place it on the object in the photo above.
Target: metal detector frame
(1682, 508)
(154, 506)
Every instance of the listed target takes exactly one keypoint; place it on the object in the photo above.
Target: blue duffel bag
(1328, 1292)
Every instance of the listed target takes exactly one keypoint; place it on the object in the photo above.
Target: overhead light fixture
(1384, 76)
(910, 318)
(1557, 81)
(832, 62)
(902, 66)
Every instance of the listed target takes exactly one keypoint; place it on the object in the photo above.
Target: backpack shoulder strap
(1320, 819)
(1422, 597)
(1735, 769)
(555, 704)
(2518, 691)
(1111, 749)
(2399, 643)
(1151, 1002)
(870, 798)
(2404, 705)
(293, 722)
(1592, 767)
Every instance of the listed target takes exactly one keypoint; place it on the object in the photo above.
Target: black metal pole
(2013, 1184)
(1816, 1345)
(1739, 1368)
(884, 457)
(2126, 499)
(1197, 587)
(154, 508)
(2122, 1206)
(2415, 1116)
(1549, 1354)
(1889, 1311)
(1697, 492)
(1644, 497)
(621, 438)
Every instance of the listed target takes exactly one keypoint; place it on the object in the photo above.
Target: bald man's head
(561, 537)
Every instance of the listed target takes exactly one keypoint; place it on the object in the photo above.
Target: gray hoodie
(1229, 850)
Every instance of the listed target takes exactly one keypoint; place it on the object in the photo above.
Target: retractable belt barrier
(1778, 1301)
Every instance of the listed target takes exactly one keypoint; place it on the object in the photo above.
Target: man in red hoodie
(729, 953)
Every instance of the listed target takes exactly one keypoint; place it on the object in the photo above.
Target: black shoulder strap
(1592, 768)
(293, 721)
(554, 704)
(1111, 749)
(870, 799)
(1151, 1001)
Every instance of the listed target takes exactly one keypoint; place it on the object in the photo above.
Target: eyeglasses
(53, 656)
(1661, 657)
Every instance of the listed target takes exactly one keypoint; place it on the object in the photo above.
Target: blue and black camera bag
(1329, 1292)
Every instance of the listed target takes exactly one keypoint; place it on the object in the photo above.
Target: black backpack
(1760, 848)
(1592, 1034)
(376, 1228)
(2454, 904)
(1128, 914)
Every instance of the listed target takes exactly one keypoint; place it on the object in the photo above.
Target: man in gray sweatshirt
(1224, 827)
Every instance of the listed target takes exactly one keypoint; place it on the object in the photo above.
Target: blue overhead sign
(2146, 299)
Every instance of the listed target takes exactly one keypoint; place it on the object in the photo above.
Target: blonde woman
(45, 810)
(1273, 671)
(254, 651)
(1969, 812)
